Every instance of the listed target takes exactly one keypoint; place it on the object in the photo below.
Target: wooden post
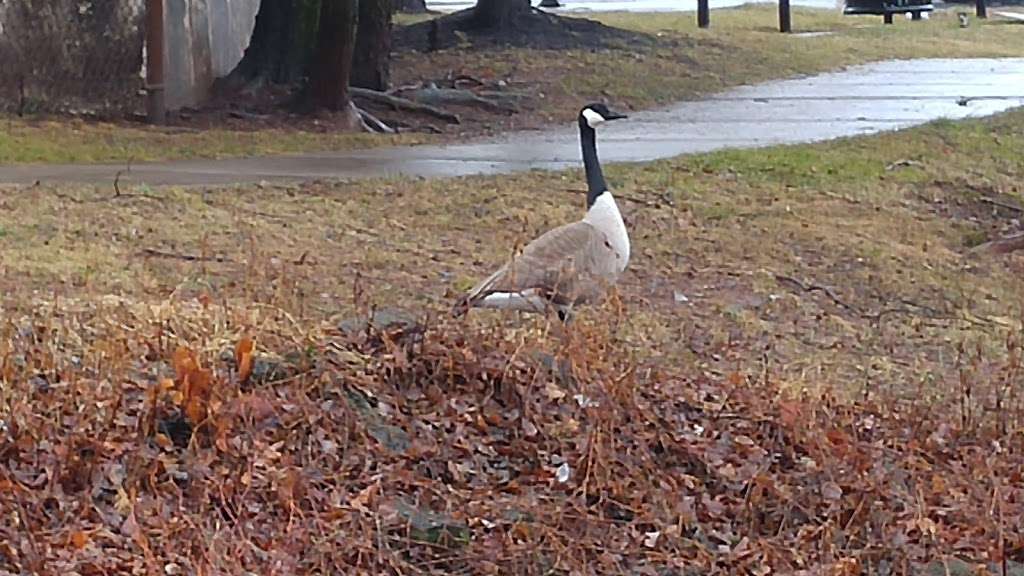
(156, 111)
(785, 21)
(704, 13)
(887, 18)
(979, 7)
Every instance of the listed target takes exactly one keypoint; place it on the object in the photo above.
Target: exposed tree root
(431, 95)
(399, 103)
(374, 124)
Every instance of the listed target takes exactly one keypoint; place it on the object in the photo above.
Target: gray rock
(392, 437)
(269, 370)
(429, 526)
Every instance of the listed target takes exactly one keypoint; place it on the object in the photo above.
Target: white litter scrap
(563, 473)
(651, 538)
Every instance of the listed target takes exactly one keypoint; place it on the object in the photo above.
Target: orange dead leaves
(244, 358)
(194, 383)
(197, 392)
(79, 540)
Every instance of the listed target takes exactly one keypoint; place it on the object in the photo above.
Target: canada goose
(569, 265)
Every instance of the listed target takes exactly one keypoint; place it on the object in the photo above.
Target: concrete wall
(205, 39)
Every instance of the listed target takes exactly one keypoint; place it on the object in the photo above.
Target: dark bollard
(785, 20)
(156, 110)
(887, 18)
(979, 7)
(703, 13)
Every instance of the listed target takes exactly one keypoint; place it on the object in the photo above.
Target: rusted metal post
(979, 7)
(703, 13)
(155, 108)
(785, 20)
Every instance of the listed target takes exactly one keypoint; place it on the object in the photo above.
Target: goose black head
(594, 114)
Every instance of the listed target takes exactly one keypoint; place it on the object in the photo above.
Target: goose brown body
(569, 265)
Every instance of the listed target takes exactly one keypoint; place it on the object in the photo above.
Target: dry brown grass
(870, 424)
(740, 236)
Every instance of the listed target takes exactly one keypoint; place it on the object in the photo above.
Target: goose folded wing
(566, 264)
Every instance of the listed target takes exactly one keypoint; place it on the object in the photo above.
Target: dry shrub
(203, 440)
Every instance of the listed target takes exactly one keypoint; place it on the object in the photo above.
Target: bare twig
(117, 188)
(117, 178)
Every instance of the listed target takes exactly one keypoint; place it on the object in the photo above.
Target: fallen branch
(842, 197)
(303, 260)
(903, 164)
(243, 115)
(457, 79)
(63, 196)
(634, 199)
(399, 103)
(910, 308)
(1001, 204)
(1003, 245)
(906, 306)
(782, 278)
(185, 257)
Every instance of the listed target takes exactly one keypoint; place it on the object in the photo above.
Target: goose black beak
(614, 116)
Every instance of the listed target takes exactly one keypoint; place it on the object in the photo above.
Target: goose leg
(565, 315)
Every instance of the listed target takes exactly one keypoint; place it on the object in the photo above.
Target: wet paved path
(859, 100)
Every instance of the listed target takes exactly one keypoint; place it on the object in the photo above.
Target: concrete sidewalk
(859, 100)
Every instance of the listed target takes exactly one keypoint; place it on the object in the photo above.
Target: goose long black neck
(595, 178)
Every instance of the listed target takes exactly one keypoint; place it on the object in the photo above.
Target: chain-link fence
(71, 56)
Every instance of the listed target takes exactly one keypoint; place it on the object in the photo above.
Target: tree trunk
(281, 43)
(371, 67)
(332, 62)
(498, 13)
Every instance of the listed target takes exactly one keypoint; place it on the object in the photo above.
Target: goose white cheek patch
(593, 118)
